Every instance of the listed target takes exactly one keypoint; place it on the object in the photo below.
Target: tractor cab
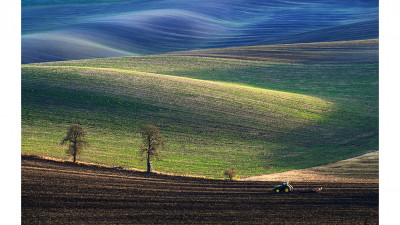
(284, 187)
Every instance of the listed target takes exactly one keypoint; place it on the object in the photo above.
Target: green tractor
(285, 187)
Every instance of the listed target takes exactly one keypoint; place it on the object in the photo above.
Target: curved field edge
(360, 169)
(209, 125)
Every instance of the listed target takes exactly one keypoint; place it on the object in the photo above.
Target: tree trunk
(149, 169)
(74, 150)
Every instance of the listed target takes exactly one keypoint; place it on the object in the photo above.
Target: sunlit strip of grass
(225, 94)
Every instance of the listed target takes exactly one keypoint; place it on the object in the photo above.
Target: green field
(216, 108)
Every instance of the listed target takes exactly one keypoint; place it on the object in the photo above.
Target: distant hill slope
(52, 31)
(355, 31)
(338, 52)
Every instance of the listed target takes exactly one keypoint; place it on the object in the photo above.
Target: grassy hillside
(216, 112)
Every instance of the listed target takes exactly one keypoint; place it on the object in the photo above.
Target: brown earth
(361, 169)
(63, 193)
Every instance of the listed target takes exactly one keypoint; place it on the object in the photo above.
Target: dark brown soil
(62, 193)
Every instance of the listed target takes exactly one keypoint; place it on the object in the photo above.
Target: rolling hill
(354, 31)
(71, 29)
(247, 107)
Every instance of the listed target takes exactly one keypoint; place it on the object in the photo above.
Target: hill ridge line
(238, 85)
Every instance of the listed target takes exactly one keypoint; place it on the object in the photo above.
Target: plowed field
(62, 193)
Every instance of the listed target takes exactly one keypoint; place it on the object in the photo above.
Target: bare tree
(230, 172)
(75, 139)
(152, 143)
